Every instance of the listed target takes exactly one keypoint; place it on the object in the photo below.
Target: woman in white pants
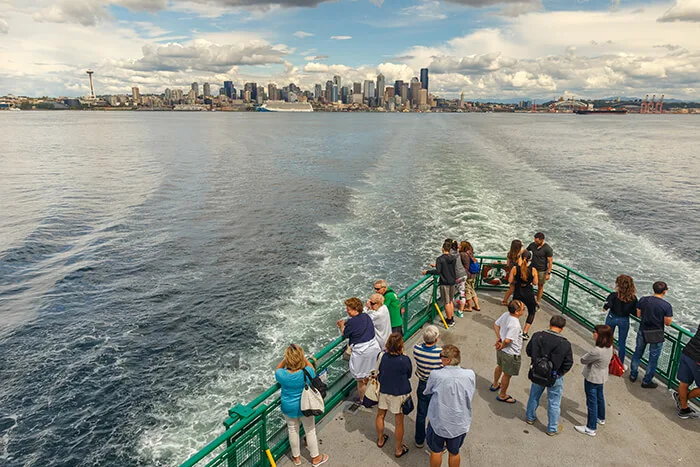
(290, 375)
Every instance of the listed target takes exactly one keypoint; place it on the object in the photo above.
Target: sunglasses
(372, 303)
(378, 288)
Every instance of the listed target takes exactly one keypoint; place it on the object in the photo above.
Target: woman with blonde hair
(620, 305)
(290, 374)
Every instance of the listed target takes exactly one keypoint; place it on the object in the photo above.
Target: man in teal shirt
(392, 302)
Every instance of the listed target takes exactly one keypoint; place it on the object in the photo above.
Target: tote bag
(615, 367)
(311, 401)
(372, 393)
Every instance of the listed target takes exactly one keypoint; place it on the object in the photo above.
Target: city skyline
(486, 49)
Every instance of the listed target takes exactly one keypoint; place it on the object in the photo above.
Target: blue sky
(484, 48)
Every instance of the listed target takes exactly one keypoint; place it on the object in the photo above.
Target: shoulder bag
(316, 383)
(372, 393)
(311, 399)
(407, 406)
(615, 367)
(653, 336)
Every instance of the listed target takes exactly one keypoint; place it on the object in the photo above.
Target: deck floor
(642, 427)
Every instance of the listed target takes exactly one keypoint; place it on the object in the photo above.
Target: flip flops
(404, 450)
(323, 460)
(384, 443)
(494, 389)
(507, 400)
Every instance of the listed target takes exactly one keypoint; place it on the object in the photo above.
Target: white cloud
(84, 12)
(341, 38)
(4, 27)
(520, 8)
(683, 10)
(302, 34)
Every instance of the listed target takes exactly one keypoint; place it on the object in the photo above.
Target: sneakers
(419, 445)
(526, 336)
(601, 422)
(459, 314)
(625, 367)
(677, 399)
(529, 422)
(685, 414)
(554, 433)
(450, 322)
(585, 430)
(633, 379)
(650, 385)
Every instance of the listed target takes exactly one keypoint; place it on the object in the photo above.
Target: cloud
(4, 27)
(312, 58)
(302, 34)
(683, 10)
(485, 3)
(514, 10)
(341, 38)
(84, 12)
(150, 6)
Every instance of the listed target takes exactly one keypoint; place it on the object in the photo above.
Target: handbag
(407, 406)
(372, 392)
(311, 400)
(615, 367)
(653, 336)
(317, 383)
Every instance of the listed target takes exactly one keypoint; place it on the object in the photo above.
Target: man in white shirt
(381, 319)
(509, 344)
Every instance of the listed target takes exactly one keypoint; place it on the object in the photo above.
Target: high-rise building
(329, 91)
(424, 78)
(422, 97)
(253, 89)
(228, 90)
(357, 88)
(272, 92)
(369, 90)
(380, 88)
(260, 95)
(207, 90)
(168, 94)
(195, 88)
(414, 91)
(318, 91)
(135, 95)
(345, 94)
(404, 93)
(334, 93)
(397, 87)
(222, 91)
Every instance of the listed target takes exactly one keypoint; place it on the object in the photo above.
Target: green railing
(253, 428)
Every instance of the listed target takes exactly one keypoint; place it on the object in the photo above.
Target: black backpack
(542, 369)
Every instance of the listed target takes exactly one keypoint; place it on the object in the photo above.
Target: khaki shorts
(391, 403)
(510, 364)
(541, 277)
(469, 291)
(447, 294)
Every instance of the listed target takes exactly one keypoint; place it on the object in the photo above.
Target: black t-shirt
(692, 348)
(654, 310)
(540, 255)
(619, 308)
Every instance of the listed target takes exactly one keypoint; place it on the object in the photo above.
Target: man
(427, 358)
(445, 267)
(542, 258)
(688, 371)
(551, 351)
(655, 313)
(450, 411)
(392, 302)
(509, 344)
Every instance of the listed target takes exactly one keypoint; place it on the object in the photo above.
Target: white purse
(311, 400)
(372, 392)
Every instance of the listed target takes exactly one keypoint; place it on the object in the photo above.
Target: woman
(290, 375)
(523, 277)
(359, 330)
(461, 274)
(595, 372)
(467, 254)
(394, 388)
(380, 318)
(621, 304)
(512, 259)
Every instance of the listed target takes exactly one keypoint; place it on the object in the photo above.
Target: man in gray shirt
(542, 259)
(450, 410)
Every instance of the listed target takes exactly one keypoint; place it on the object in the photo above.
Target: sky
(483, 48)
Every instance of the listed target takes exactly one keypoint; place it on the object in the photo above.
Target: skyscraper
(397, 87)
(336, 80)
(357, 88)
(135, 95)
(334, 93)
(207, 90)
(228, 89)
(318, 91)
(404, 93)
(345, 94)
(329, 91)
(272, 92)
(414, 91)
(195, 88)
(380, 88)
(424, 78)
(369, 90)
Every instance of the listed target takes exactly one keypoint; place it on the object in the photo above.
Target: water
(153, 266)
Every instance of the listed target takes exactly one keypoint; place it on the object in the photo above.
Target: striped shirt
(427, 359)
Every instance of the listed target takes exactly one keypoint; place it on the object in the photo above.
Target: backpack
(542, 369)
(473, 267)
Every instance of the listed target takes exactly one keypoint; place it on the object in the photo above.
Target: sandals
(323, 460)
(404, 450)
(476, 308)
(494, 389)
(296, 462)
(508, 400)
(382, 445)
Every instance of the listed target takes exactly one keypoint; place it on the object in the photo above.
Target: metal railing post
(406, 314)
(565, 293)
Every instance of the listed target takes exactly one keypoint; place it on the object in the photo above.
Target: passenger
(523, 277)
(290, 375)
(512, 260)
(509, 344)
(688, 371)
(450, 411)
(542, 259)
(655, 313)
(620, 305)
(444, 266)
(359, 330)
(427, 357)
(595, 374)
(392, 302)
(461, 275)
(380, 318)
(394, 388)
(549, 348)
(470, 291)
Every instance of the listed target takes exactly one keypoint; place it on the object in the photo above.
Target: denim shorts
(437, 443)
(688, 370)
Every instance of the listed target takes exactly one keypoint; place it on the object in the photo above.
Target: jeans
(654, 353)
(595, 402)
(421, 412)
(309, 429)
(624, 325)
(553, 403)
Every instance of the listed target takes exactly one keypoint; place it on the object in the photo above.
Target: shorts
(469, 288)
(447, 294)
(437, 443)
(688, 371)
(391, 403)
(510, 364)
(398, 329)
(541, 277)
(461, 287)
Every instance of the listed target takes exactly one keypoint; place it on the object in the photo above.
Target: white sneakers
(584, 429)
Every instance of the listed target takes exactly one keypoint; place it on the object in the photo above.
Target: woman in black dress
(523, 277)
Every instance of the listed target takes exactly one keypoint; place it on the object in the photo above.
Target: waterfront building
(345, 95)
(135, 95)
(246, 95)
(380, 88)
(336, 81)
(207, 90)
(222, 91)
(422, 98)
(369, 90)
(357, 88)
(397, 87)
(318, 91)
(168, 95)
(253, 89)
(404, 93)
(414, 91)
(195, 88)
(329, 91)
(357, 98)
(260, 95)
(192, 97)
(424, 78)
(334, 93)
(228, 90)
(177, 95)
(272, 93)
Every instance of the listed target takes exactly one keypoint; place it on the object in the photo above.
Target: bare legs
(684, 395)
(450, 310)
(540, 291)
(452, 461)
(504, 381)
(362, 388)
(398, 431)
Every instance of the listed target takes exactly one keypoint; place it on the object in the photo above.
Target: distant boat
(600, 111)
(282, 106)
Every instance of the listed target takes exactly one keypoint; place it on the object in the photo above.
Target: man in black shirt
(688, 371)
(542, 259)
(445, 267)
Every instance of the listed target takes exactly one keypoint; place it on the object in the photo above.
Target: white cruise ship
(282, 106)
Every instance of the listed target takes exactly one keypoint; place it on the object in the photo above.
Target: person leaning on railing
(290, 375)
(688, 372)
(620, 305)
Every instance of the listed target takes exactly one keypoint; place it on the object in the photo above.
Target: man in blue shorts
(688, 372)
(450, 411)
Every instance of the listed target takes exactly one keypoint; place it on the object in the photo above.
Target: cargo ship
(605, 111)
(282, 106)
